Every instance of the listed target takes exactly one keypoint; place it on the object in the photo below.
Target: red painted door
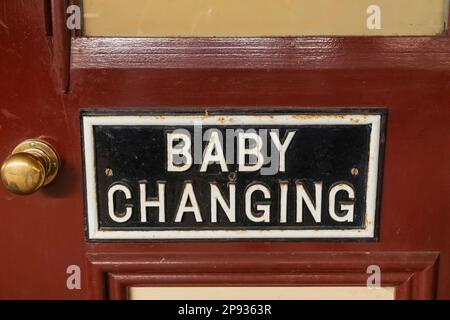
(42, 90)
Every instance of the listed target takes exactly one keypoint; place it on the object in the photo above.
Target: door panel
(219, 18)
(261, 293)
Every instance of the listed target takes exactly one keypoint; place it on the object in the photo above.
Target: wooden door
(47, 77)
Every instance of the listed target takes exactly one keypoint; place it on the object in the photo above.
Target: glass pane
(248, 18)
(261, 293)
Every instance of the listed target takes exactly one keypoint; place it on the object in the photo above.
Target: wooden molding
(413, 274)
(307, 53)
(60, 43)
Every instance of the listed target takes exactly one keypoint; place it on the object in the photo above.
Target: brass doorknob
(32, 164)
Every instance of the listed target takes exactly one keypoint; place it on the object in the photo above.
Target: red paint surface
(40, 235)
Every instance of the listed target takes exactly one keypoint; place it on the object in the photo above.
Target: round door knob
(32, 165)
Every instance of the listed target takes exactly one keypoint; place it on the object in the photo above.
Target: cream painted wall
(260, 17)
(261, 293)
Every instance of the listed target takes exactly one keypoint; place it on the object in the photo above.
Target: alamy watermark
(73, 281)
(374, 279)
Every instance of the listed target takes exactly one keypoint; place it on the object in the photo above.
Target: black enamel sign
(282, 175)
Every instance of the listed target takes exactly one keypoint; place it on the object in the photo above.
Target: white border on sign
(89, 121)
